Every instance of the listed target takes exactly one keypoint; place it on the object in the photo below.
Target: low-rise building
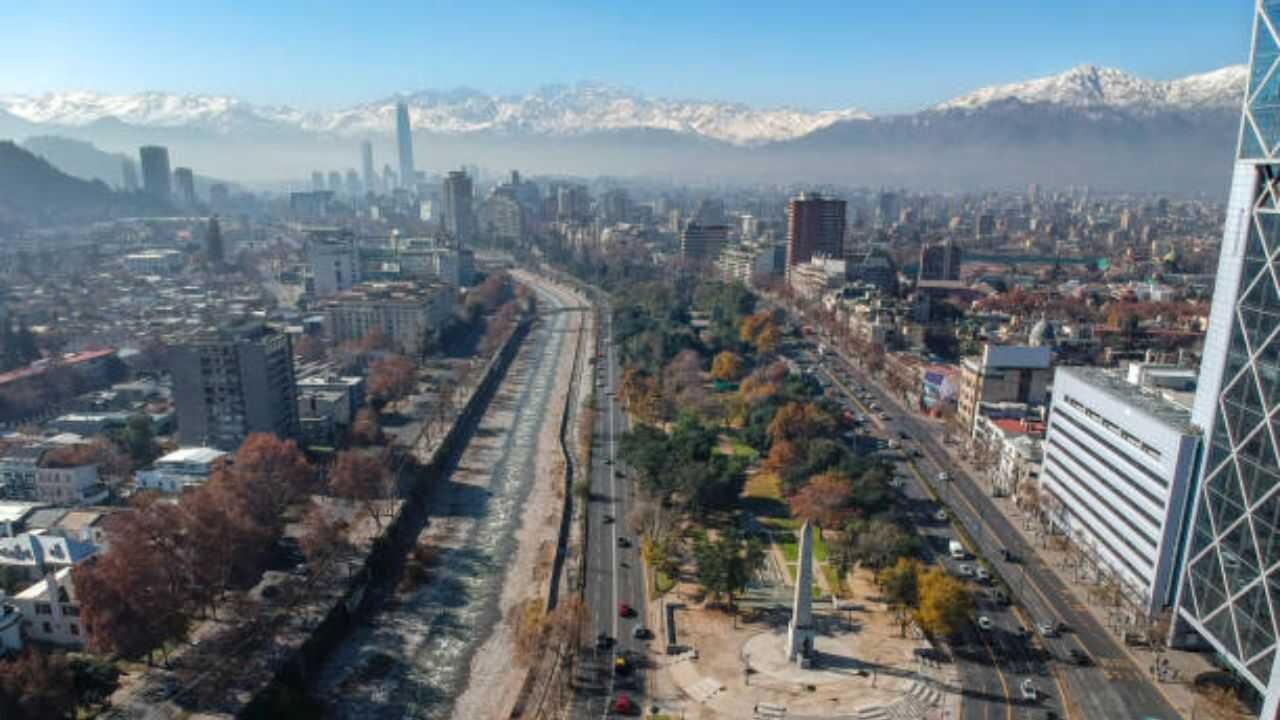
(14, 514)
(814, 278)
(51, 612)
(10, 627)
(411, 315)
(1119, 462)
(159, 261)
(1004, 373)
(351, 388)
(29, 556)
(179, 470)
(74, 485)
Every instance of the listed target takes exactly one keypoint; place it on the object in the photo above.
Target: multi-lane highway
(1108, 685)
(614, 573)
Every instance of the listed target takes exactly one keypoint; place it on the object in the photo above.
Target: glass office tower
(1231, 585)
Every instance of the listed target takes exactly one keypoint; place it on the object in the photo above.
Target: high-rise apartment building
(231, 381)
(404, 144)
(366, 167)
(459, 218)
(184, 181)
(815, 226)
(940, 261)
(703, 243)
(1231, 581)
(157, 182)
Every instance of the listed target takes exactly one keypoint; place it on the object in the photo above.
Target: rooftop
(1016, 357)
(196, 455)
(13, 511)
(1148, 402)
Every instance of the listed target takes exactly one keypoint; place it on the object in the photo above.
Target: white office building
(1119, 461)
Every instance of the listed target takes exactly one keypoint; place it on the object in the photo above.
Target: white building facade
(1118, 467)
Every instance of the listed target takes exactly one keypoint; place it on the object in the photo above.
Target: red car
(625, 610)
(623, 705)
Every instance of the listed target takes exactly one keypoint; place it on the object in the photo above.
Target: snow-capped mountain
(1089, 86)
(553, 111)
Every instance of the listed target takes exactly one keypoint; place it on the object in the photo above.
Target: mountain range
(1082, 122)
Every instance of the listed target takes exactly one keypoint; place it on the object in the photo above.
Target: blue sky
(881, 55)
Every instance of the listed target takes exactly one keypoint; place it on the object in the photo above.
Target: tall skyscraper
(214, 251)
(335, 182)
(232, 381)
(317, 181)
(1231, 577)
(366, 167)
(156, 178)
(404, 143)
(815, 226)
(184, 180)
(459, 220)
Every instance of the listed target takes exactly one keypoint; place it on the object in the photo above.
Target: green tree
(138, 438)
(725, 566)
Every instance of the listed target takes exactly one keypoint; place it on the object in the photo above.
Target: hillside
(33, 192)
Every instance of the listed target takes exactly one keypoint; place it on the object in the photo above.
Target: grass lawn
(833, 579)
(741, 449)
(662, 583)
(789, 543)
(762, 497)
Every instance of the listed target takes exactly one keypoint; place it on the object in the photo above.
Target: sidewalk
(1182, 667)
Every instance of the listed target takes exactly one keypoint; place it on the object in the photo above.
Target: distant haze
(1089, 125)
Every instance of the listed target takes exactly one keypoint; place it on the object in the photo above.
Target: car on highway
(1078, 657)
(608, 519)
(1029, 690)
(608, 461)
(625, 610)
(904, 434)
(624, 705)
(621, 666)
(984, 623)
(944, 476)
(641, 632)
(999, 597)
(603, 641)
(623, 542)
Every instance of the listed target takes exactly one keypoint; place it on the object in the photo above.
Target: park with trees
(734, 447)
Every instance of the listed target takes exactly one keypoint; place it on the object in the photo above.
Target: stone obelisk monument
(800, 631)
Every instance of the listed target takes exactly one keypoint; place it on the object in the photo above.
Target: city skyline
(834, 57)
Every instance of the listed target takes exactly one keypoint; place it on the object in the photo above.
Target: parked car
(965, 570)
(641, 632)
(982, 574)
(984, 623)
(625, 610)
(1029, 690)
(1047, 629)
